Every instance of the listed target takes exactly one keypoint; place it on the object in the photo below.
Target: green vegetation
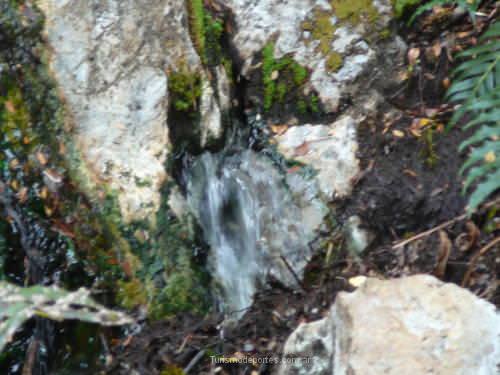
(206, 32)
(185, 90)
(17, 305)
(355, 11)
(284, 77)
(197, 25)
(469, 6)
(475, 87)
(334, 61)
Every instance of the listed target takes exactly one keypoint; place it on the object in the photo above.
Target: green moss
(299, 73)
(197, 25)
(290, 76)
(281, 91)
(185, 90)
(131, 294)
(268, 66)
(334, 61)
(385, 33)
(355, 11)
(314, 104)
(321, 28)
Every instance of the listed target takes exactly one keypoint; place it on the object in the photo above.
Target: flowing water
(250, 221)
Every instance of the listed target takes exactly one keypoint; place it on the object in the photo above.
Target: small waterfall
(250, 221)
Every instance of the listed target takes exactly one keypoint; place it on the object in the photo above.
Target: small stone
(248, 347)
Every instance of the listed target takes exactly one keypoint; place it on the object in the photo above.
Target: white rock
(357, 237)
(330, 149)
(410, 326)
(259, 22)
(109, 59)
(211, 125)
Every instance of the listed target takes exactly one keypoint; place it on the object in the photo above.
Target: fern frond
(471, 8)
(476, 88)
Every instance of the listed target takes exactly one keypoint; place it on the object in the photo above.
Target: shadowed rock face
(110, 60)
(413, 325)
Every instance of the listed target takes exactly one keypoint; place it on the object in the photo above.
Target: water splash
(250, 221)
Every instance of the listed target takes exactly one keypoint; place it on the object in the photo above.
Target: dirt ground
(409, 190)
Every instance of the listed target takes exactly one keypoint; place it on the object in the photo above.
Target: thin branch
(476, 257)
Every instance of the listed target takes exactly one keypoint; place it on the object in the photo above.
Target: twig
(441, 226)
(293, 272)
(194, 361)
(428, 232)
(476, 257)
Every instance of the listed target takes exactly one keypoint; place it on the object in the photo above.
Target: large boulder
(409, 326)
(111, 61)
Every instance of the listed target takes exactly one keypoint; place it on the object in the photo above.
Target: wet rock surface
(414, 325)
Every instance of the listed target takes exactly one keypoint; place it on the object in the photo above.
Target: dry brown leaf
(436, 49)
(410, 172)
(446, 83)
(41, 157)
(443, 254)
(413, 55)
(302, 150)
(9, 106)
(279, 129)
(22, 195)
(398, 133)
(466, 241)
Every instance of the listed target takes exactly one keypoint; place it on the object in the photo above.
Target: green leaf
(479, 172)
(479, 153)
(484, 190)
(484, 133)
(19, 304)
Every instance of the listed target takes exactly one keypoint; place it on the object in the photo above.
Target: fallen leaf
(444, 251)
(279, 129)
(398, 133)
(436, 49)
(302, 150)
(41, 157)
(22, 195)
(413, 55)
(490, 157)
(10, 107)
(410, 172)
(446, 83)
(466, 241)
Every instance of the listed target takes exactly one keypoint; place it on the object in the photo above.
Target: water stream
(250, 221)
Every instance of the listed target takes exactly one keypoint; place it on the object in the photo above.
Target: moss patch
(355, 11)
(185, 90)
(283, 80)
(334, 61)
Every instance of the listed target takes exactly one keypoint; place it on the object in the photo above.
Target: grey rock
(109, 59)
(408, 326)
(330, 149)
